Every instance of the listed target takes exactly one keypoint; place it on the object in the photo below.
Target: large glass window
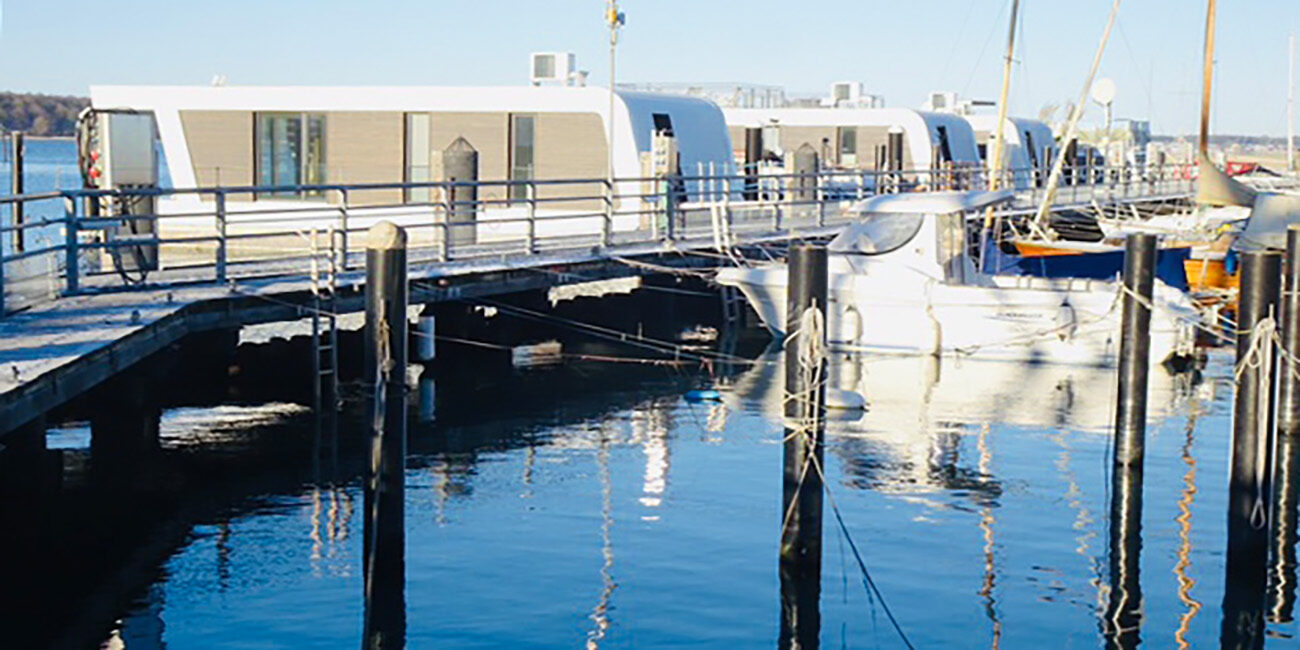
(418, 169)
(290, 151)
(523, 158)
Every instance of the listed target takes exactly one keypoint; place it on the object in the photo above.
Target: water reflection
(1282, 571)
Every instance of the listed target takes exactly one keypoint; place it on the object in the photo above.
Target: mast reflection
(1282, 572)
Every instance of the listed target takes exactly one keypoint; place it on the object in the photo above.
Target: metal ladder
(324, 336)
(733, 308)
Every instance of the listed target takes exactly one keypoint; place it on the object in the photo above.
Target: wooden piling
(16, 173)
(805, 405)
(385, 365)
(1249, 490)
(1135, 350)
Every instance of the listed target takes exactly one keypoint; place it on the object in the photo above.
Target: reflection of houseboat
(265, 136)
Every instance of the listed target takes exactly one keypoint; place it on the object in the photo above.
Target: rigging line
(621, 336)
(1132, 56)
(997, 27)
(956, 43)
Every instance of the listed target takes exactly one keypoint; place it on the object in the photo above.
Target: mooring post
(805, 407)
(1286, 471)
(805, 404)
(1135, 350)
(1249, 489)
(385, 366)
(16, 188)
(1123, 619)
(753, 156)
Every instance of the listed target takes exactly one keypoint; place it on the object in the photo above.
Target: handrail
(240, 232)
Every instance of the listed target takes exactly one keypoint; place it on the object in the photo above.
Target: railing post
(220, 200)
(344, 216)
(73, 268)
(607, 233)
(445, 255)
(820, 192)
(670, 208)
(530, 246)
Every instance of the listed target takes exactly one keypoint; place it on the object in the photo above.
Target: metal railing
(100, 240)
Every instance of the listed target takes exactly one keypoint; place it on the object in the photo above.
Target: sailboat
(1195, 254)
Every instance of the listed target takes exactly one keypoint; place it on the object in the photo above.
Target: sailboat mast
(995, 171)
(1208, 80)
(1072, 127)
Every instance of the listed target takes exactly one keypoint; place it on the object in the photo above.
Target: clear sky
(902, 49)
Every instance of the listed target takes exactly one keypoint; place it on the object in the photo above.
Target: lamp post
(615, 20)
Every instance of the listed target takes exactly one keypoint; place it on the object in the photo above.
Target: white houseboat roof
(698, 124)
(961, 137)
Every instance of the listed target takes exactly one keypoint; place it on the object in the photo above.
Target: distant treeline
(1227, 140)
(47, 115)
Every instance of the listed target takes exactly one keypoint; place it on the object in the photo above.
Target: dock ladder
(324, 335)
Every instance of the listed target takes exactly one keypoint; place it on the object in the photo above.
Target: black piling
(1288, 393)
(753, 156)
(1123, 621)
(1135, 350)
(16, 188)
(1249, 488)
(805, 406)
(385, 363)
(1286, 470)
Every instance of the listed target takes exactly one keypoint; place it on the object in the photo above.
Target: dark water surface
(595, 506)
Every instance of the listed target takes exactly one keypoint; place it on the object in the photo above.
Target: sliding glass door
(290, 152)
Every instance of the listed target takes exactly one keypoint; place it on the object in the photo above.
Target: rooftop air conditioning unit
(552, 67)
(845, 93)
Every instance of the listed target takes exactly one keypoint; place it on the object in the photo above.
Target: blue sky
(902, 49)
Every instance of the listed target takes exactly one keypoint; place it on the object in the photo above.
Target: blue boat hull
(1169, 265)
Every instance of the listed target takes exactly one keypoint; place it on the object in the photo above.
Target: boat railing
(94, 240)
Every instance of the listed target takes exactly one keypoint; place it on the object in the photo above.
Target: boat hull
(1019, 319)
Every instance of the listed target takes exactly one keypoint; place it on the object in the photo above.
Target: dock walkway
(97, 326)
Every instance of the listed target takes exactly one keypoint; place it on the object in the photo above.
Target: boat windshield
(877, 234)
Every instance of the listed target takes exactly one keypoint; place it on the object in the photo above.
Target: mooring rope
(1259, 359)
(811, 355)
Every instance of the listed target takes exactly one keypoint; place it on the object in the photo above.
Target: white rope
(1258, 358)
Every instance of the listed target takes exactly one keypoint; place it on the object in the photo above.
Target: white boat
(901, 281)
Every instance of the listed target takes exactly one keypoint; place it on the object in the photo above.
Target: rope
(1259, 359)
(811, 355)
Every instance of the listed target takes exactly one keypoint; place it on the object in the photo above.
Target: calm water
(595, 506)
(48, 165)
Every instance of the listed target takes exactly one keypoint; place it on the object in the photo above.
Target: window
(848, 146)
(945, 151)
(663, 123)
(290, 151)
(418, 169)
(523, 158)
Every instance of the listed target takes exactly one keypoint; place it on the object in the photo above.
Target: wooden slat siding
(486, 132)
(793, 137)
(737, 134)
(570, 146)
(221, 147)
(365, 147)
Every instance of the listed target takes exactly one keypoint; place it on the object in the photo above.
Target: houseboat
(228, 136)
